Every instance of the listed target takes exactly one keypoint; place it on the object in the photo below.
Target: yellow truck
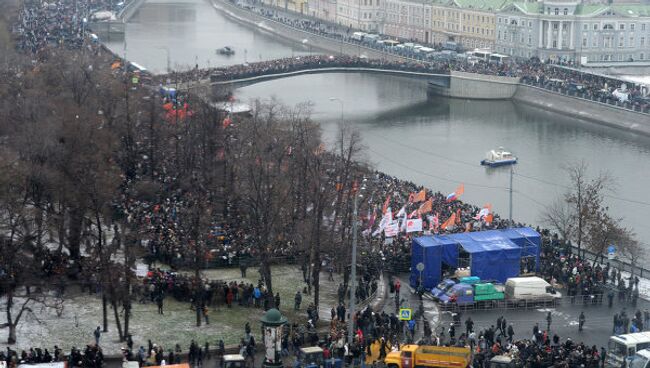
(415, 356)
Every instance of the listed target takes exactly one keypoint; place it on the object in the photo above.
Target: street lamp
(340, 102)
(353, 268)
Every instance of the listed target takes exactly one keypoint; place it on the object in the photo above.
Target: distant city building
(365, 15)
(298, 6)
(323, 9)
(409, 20)
(470, 23)
(575, 31)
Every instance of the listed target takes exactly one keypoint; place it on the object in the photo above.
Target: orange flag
(386, 204)
(489, 218)
(450, 221)
(460, 190)
(426, 207)
(420, 197)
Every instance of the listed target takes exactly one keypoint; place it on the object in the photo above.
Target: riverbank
(588, 110)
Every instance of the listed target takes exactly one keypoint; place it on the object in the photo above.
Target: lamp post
(353, 267)
(510, 211)
(340, 102)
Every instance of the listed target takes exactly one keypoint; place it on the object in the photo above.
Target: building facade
(470, 23)
(408, 19)
(365, 15)
(575, 31)
(323, 9)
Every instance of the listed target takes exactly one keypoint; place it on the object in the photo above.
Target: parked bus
(625, 346)
(499, 59)
(482, 54)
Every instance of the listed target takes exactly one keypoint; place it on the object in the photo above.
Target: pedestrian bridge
(439, 79)
(450, 84)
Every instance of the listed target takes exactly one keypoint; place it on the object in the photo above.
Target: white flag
(391, 229)
(413, 225)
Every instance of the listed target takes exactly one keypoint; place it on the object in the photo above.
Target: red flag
(460, 190)
(226, 122)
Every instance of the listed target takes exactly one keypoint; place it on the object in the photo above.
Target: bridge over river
(221, 83)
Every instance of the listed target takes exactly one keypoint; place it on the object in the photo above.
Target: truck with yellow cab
(412, 356)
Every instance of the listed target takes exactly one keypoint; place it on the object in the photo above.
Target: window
(585, 27)
(642, 56)
(632, 27)
(564, 26)
(557, 11)
(584, 42)
(594, 41)
(642, 41)
(566, 11)
(555, 25)
(620, 41)
(530, 40)
(631, 44)
(595, 26)
(530, 24)
(621, 26)
(643, 27)
(554, 44)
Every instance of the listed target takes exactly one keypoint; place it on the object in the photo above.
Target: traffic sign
(405, 314)
(420, 267)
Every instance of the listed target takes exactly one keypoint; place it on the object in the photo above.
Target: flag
(401, 212)
(226, 122)
(413, 214)
(489, 218)
(420, 197)
(426, 207)
(391, 229)
(435, 222)
(413, 225)
(450, 221)
(483, 212)
(458, 217)
(386, 204)
(457, 193)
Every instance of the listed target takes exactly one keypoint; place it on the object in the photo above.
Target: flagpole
(510, 212)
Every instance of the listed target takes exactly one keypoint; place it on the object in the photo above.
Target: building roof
(526, 7)
(484, 5)
(625, 10)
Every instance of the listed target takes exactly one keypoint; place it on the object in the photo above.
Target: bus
(625, 346)
(499, 59)
(483, 54)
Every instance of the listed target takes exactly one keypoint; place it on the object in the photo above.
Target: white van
(625, 346)
(641, 359)
(530, 288)
(358, 36)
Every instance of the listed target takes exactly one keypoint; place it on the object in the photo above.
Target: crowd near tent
(493, 255)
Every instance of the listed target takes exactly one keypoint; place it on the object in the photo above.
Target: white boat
(226, 50)
(499, 157)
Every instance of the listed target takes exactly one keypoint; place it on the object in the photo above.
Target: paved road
(597, 329)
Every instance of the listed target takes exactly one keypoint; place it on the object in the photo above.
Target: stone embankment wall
(477, 86)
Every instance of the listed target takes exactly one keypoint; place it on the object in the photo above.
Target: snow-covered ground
(83, 313)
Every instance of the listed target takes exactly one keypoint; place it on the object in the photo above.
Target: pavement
(596, 331)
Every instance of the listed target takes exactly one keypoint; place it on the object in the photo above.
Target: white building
(365, 15)
(408, 19)
(572, 30)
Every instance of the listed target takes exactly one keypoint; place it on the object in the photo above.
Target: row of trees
(582, 216)
(84, 155)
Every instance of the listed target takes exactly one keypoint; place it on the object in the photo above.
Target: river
(436, 142)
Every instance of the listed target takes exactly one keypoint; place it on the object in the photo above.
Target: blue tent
(492, 257)
(427, 250)
(494, 254)
(528, 239)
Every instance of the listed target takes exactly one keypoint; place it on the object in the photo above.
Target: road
(596, 331)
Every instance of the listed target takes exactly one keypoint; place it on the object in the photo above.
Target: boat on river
(226, 50)
(499, 157)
